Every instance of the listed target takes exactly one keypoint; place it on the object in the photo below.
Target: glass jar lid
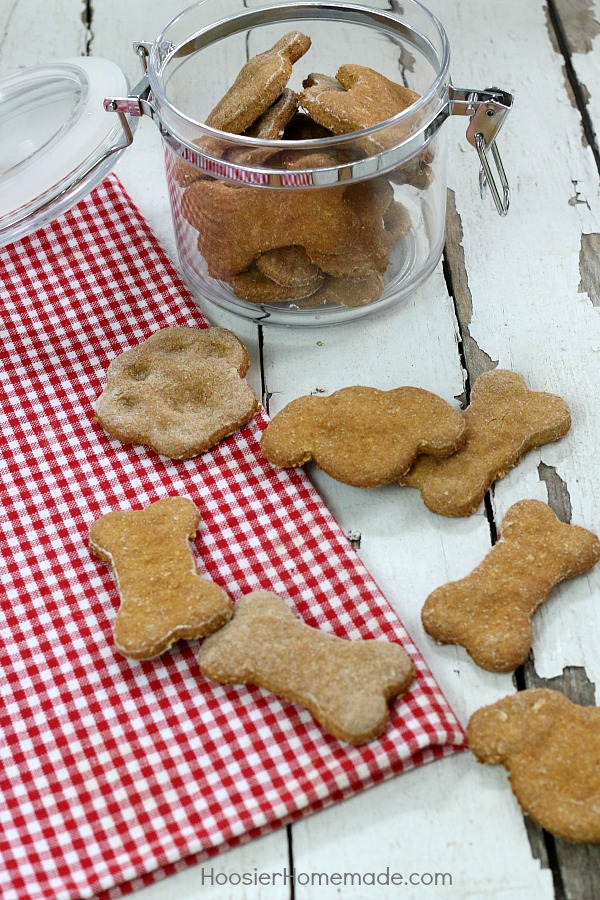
(57, 141)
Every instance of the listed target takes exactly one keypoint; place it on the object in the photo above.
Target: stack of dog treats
(314, 246)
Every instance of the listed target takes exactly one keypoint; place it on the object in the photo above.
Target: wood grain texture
(31, 34)
(521, 291)
(537, 285)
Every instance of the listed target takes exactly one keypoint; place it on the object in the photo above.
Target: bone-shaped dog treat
(179, 392)
(237, 224)
(551, 748)
(489, 612)
(258, 84)
(346, 685)
(363, 436)
(163, 598)
(503, 421)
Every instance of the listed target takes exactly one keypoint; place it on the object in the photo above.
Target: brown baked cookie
(503, 421)
(363, 436)
(396, 221)
(180, 392)
(355, 261)
(346, 685)
(415, 172)
(289, 266)
(238, 224)
(356, 278)
(489, 612)
(269, 127)
(272, 124)
(550, 747)
(184, 173)
(358, 98)
(368, 253)
(302, 128)
(163, 597)
(254, 287)
(351, 292)
(258, 84)
(295, 159)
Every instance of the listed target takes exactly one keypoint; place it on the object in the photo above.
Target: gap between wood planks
(87, 17)
(575, 867)
(572, 27)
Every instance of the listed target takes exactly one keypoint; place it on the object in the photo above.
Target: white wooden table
(520, 292)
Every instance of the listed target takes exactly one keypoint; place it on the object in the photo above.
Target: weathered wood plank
(577, 865)
(579, 22)
(539, 292)
(527, 311)
(516, 280)
(576, 27)
(31, 35)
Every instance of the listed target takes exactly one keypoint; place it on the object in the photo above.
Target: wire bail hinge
(487, 111)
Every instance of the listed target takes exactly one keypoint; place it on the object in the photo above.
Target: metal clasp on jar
(487, 111)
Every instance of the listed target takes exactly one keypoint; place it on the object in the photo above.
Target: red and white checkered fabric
(116, 773)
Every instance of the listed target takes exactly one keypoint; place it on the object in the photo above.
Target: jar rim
(162, 51)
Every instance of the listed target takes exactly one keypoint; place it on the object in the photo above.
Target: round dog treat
(550, 747)
(254, 287)
(163, 597)
(179, 393)
(350, 292)
(289, 266)
(363, 436)
(346, 685)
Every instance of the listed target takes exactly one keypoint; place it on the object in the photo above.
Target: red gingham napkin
(115, 773)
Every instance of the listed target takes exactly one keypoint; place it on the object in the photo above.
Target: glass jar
(310, 228)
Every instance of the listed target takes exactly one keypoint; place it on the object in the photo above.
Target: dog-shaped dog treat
(551, 748)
